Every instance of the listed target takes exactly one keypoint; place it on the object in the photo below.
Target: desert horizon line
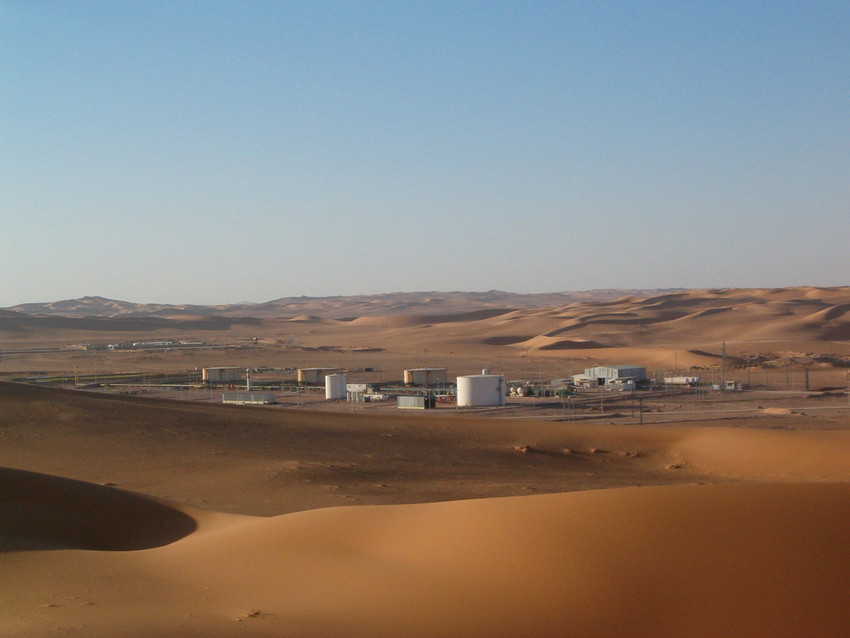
(661, 289)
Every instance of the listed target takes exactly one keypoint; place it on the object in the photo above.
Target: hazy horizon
(413, 292)
(218, 152)
(373, 294)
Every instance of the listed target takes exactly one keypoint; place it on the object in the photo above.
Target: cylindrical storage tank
(480, 389)
(335, 386)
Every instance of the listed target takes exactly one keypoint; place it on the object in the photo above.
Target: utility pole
(723, 368)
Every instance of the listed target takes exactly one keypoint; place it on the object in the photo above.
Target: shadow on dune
(38, 512)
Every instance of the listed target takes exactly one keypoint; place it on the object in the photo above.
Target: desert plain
(139, 510)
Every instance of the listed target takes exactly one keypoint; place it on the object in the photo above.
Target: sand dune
(572, 344)
(684, 561)
(716, 315)
(396, 321)
(762, 455)
(743, 560)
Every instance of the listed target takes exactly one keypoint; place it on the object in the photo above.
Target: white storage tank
(480, 389)
(335, 386)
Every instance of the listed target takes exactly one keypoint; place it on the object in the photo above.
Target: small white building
(425, 376)
(222, 375)
(315, 376)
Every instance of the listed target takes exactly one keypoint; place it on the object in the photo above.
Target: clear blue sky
(214, 152)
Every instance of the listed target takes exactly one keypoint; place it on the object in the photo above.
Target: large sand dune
(743, 560)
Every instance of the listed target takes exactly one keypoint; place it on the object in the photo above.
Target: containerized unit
(419, 402)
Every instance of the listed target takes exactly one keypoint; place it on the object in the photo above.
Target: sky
(220, 152)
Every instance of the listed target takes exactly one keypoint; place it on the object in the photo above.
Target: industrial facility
(425, 377)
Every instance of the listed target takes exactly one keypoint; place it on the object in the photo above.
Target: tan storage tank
(425, 376)
(314, 375)
(222, 375)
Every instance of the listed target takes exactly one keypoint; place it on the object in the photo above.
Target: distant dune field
(465, 331)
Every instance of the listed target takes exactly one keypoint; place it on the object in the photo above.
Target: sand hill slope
(272, 462)
(743, 560)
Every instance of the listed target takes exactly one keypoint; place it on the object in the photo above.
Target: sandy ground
(733, 531)
(135, 516)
